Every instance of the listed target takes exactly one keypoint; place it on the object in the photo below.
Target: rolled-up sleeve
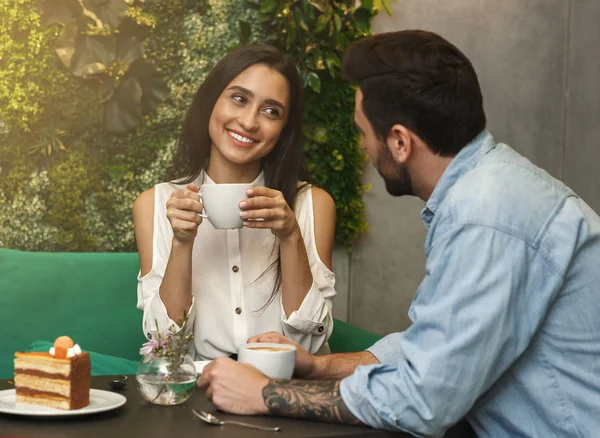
(473, 315)
(156, 318)
(312, 324)
(387, 350)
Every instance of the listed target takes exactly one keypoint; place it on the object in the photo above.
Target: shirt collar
(464, 161)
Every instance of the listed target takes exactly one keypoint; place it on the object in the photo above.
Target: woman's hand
(267, 208)
(182, 211)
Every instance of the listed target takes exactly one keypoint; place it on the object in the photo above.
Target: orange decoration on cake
(64, 341)
(61, 346)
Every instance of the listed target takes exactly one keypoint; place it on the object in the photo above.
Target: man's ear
(399, 142)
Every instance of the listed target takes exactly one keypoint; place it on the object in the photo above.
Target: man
(506, 322)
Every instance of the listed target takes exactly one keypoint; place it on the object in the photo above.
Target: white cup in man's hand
(274, 360)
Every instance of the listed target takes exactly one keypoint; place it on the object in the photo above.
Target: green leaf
(268, 6)
(298, 17)
(338, 22)
(310, 16)
(65, 44)
(110, 12)
(328, 13)
(109, 89)
(305, 6)
(333, 63)
(309, 48)
(245, 32)
(59, 11)
(93, 54)
(320, 135)
(385, 4)
(318, 5)
(84, 54)
(314, 82)
(129, 49)
(291, 35)
(322, 21)
(154, 88)
(303, 25)
(124, 109)
(363, 14)
(367, 4)
(318, 60)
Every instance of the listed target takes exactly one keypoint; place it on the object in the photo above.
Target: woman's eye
(273, 112)
(239, 98)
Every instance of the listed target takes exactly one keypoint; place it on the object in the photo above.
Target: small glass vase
(163, 382)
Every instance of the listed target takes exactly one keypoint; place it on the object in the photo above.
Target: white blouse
(230, 286)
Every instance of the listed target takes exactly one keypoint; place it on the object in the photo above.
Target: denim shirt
(506, 322)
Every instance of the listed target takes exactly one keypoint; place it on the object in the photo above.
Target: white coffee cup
(221, 204)
(276, 361)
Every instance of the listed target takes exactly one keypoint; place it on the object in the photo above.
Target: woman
(274, 274)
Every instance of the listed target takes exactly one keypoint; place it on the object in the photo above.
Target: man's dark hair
(421, 81)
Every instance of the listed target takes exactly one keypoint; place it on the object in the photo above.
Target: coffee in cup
(221, 204)
(267, 349)
(276, 361)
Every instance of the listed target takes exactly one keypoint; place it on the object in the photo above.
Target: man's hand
(233, 387)
(305, 362)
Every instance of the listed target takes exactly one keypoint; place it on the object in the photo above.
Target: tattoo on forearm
(311, 400)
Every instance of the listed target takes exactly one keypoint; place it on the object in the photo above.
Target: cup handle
(202, 215)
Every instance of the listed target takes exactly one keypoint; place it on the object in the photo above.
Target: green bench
(92, 298)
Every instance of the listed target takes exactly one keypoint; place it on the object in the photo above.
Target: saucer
(100, 401)
(200, 364)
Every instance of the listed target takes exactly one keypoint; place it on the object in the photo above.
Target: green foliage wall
(66, 184)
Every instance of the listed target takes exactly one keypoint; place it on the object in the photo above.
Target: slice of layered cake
(57, 379)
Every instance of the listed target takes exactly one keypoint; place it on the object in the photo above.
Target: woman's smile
(241, 140)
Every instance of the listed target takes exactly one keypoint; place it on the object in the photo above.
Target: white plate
(200, 364)
(100, 401)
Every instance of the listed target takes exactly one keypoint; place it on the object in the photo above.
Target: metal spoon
(210, 418)
(119, 383)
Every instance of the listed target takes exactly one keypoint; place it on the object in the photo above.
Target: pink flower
(149, 347)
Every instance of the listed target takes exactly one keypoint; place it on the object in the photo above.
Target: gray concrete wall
(539, 66)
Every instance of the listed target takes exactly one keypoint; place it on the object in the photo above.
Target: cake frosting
(59, 378)
(71, 352)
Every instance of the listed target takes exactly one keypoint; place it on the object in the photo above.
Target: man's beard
(396, 177)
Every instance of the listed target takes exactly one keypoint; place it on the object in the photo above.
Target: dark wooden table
(138, 418)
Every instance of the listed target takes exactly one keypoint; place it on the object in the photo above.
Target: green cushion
(102, 364)
(90, 297)
(347, 338)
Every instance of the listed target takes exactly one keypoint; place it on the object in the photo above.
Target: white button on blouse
(231, 284)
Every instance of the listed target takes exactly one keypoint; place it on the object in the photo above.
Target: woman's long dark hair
(283, 167)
